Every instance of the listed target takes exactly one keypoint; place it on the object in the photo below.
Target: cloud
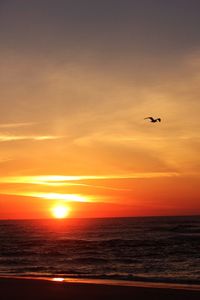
(52, 196)
(16, 125)
(48, 179)
(52, 182)
(11, 138)
(4, 160)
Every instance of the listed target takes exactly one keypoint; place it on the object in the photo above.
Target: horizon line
(117, 217)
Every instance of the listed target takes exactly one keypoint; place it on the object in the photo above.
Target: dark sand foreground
(21, 289)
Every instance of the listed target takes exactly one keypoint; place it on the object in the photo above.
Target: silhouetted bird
(153, 120)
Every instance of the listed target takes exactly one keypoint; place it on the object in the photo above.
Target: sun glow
(60, 211)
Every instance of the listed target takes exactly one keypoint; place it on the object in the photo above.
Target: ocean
(151, 249)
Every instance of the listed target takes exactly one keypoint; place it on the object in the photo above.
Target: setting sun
(60, 211)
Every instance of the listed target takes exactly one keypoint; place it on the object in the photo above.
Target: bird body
(151, 119)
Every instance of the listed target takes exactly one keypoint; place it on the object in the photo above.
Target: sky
(77, 79)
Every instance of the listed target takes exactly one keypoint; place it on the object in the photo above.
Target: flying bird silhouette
(151, 119)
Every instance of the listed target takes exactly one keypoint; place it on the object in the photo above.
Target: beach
(32, 289)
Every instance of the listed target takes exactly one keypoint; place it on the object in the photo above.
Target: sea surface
(155, 249)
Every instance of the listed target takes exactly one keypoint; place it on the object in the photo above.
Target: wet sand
(35, 289)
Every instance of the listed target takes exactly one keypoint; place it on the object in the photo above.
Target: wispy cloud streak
(52, 196)
(48, 179)
(10, 138)
(16, 125)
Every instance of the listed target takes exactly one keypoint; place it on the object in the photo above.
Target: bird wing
(152, 119)
(159, 119)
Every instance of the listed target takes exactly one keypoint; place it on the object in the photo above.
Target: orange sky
(76, 81)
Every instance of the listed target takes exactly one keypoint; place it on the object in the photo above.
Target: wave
(160, 250)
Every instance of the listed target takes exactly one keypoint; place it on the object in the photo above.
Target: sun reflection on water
(58, 279)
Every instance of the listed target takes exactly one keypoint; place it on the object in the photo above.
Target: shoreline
(109, 282)
(55, 288)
